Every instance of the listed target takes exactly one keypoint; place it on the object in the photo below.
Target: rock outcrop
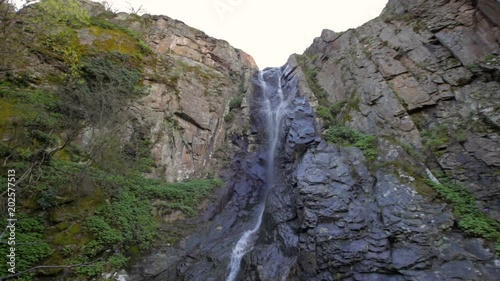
(191, 84)
(426, 74)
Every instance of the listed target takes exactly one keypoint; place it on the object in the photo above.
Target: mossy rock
(78, 209)
(71, 236)
(113, 40)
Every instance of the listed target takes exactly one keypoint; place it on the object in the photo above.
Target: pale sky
(268, 30)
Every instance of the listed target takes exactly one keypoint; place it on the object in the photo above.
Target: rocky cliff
(97, 108)
(387, 165)
(191, 82)
(422, 78)
(409, 188)
(425, 74)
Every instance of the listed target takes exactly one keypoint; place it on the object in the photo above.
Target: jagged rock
(329, 35)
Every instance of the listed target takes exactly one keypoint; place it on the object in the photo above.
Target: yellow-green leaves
(57, 12)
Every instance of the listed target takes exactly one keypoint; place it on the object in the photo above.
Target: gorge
(375, 155)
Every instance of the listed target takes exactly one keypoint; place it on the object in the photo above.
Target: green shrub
(471, 219)
(236, 102)
(117, 261)
(188, 194)
(30, 246)
(229, 117)
(90, 270)
(348, 137)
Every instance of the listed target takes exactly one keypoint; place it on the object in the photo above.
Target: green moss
(102, 24)
(114, 40)
(5, 114)
(71, 235)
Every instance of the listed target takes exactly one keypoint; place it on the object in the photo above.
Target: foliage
(236, 102)
(187, 194)
(117, 261)
(345, 136)
(127, 220)
(105, 86)
(36, 116)
(471, 218)
(65, 47)
(30, 247)
(229, 117)
(90, 269)
(329, 114)
(51, 13)
(95, 21)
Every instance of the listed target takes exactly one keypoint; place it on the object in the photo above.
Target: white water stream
(274, 106)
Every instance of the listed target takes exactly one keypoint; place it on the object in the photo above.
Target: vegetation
(348, 137)
(337, 133)
(29, 244)
(329, 114)
(308, 68)
(471, 218)
(83, 207)
(234, 104)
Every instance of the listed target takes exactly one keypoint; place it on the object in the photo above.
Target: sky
(268, 30)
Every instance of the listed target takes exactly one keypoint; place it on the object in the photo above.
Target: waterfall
(273, 106)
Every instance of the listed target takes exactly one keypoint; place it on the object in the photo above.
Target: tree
(35, 25)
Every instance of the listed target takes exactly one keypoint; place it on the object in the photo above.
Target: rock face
(191, 79)
(423, 69)
(184, 112)
(424, 79)
(329, 217)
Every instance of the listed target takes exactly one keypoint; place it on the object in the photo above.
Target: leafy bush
(187, 194)
(90, 270)
(471, 218)
(329, 114)
(30, 247)
(345, 136)
(236, 102)
(229, 117)
(117, 261)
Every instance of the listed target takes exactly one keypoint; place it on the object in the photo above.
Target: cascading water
(273, 106)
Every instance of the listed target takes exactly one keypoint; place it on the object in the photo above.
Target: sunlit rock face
(191, 81)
